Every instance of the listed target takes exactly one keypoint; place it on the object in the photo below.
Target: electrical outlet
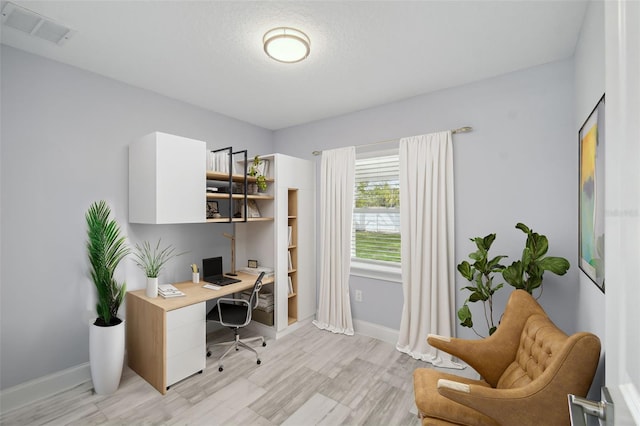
(358, 295)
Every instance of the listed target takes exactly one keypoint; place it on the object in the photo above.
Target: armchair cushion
(539, 342)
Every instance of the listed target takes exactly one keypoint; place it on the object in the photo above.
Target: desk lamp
(233, 254)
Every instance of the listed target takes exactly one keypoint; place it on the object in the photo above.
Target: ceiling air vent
(29, 22)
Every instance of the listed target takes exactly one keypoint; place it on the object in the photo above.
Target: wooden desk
(166, 338)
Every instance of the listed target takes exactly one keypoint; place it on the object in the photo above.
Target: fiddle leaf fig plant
(481, 274)
(526, 273)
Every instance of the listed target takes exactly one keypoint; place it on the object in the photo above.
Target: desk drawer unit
(186, 342)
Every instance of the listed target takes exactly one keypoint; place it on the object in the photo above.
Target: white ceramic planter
(152, 287)
(106, 357)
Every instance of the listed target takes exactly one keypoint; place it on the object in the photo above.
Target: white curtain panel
(337, 175)
(427, 234)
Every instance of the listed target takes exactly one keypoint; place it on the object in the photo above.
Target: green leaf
(540, 246)
(478, 281)
(557, 265)
(494, 264)
(481, 264)
(496, 288)
(476, 296)
(477, 255)
(523, 228)
(513, 274)
(487, 241)
(465, 270)
(533, 283)
(526, 257)
(464, 315)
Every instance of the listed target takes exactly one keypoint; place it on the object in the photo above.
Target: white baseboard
(43, 387)
(376, 331)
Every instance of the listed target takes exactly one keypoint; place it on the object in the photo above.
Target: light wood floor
(310, 377)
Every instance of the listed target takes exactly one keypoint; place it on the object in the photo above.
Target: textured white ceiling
(363, 54)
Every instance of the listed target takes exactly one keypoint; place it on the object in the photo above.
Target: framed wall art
(591, 139)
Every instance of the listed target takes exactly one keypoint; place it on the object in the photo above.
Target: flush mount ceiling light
(286, 45)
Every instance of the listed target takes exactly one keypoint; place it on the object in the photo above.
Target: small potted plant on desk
(106, 248)
(151, 261)
(261, 180)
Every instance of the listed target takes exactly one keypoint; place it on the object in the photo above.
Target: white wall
(518, 164)
(589, 87)
(65, 136)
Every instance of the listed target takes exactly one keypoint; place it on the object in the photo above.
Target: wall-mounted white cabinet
(167, 179)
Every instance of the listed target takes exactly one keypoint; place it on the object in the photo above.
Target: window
(375, 239)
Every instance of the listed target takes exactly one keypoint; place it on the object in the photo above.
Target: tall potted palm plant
(106, 247)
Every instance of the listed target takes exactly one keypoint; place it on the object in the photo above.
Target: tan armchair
(528, 367)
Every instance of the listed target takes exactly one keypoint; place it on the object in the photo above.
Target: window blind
(376, 215)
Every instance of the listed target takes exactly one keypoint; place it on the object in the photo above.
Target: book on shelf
(290, 234)
(290, 261)
(169, 290)
(219, 162)
(290, 286)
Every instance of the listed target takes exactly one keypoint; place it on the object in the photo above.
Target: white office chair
(236, 313)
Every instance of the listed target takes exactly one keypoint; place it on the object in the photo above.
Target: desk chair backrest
(253, 300)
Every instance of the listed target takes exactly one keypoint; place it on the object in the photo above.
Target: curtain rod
(465, 129)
